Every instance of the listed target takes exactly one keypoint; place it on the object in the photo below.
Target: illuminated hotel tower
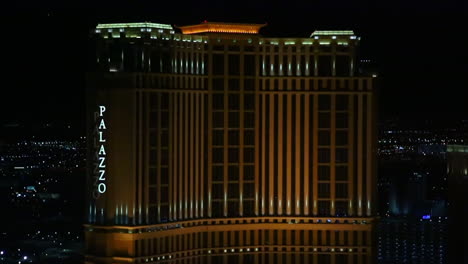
(218, 145)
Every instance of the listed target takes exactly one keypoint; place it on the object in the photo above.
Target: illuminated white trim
(135, 25)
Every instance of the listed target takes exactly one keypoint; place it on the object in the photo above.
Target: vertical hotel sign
(100, 186)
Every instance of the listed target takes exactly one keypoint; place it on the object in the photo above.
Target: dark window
(218, 101)
(233, 119)
(233, 190)
(342, 66)
(233, 207)
(233, 173)
(341, 173)
(218, 64)
(249, 65)
(249, 155)
(249, 101)
(164, 156)
(249, 190)
(324, 190)
(341, 190)
(324, 66)
(341, 155)
(324, 173)
(218, 47)
(249, 84)
(233, 100)
(152, 176)
(218, 84)
(324, 120)
(341, 120)
(233, 85)
(233, 155)
(323, 155)
(249, 137)
(341, 208)
(218, 119)
(324, 138)
(217, 209)
(218, 173)
(218, 190)
(218, 137)
(249, 173)
(234, 64)
(218, 155)
(342, 102)
(233, 137)
(164, 138)
(249, 120)
(324, 210)
(164, 175)
(341, 138)
(324, 102)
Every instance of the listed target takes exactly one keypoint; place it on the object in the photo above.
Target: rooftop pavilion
(222, 27)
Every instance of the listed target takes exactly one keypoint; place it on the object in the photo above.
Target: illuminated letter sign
(100, 169)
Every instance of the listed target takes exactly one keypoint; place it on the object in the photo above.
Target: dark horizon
(417, 50)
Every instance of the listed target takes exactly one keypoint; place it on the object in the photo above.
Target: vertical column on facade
(333, 57)
(333, 154)
(288, 152)
(257, 150)
(359, 152)
(170, 131)
(271, 158)
(186, 176)
(280, 59)
(225, 129)
(192, 154)
(241, 136)
(289, 60)
(174, 147)
(139, 156)
(203, 181)
(280, 154)
(181, 156)
(298, 60)
(316, 46)
(306, 154)
(263, 155)
(272, 61)
(197, 153)
(297, 156)
(351, 134)
(369, 146)
(307, 61)
(210, 129)
(158, 162)
(314, 154)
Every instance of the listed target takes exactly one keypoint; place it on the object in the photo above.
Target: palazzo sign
(100, 169)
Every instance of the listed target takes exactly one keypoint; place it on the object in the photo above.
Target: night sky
(420, 49)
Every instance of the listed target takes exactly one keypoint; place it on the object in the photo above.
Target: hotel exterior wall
(203, 127)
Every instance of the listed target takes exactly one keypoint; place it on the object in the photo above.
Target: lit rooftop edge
(457, 148)
(332, 33)
(134, 25)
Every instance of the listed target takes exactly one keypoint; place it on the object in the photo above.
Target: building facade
(217, 144)
(457, 170)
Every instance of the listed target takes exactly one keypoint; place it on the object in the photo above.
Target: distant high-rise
(217, 143)
(457, 170)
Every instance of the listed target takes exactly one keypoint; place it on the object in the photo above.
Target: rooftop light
(332, 32)
(134, 25)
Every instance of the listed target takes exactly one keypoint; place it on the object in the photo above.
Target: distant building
(218, 142)
(457, 168)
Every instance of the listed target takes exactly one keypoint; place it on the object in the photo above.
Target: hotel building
(219, 145)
